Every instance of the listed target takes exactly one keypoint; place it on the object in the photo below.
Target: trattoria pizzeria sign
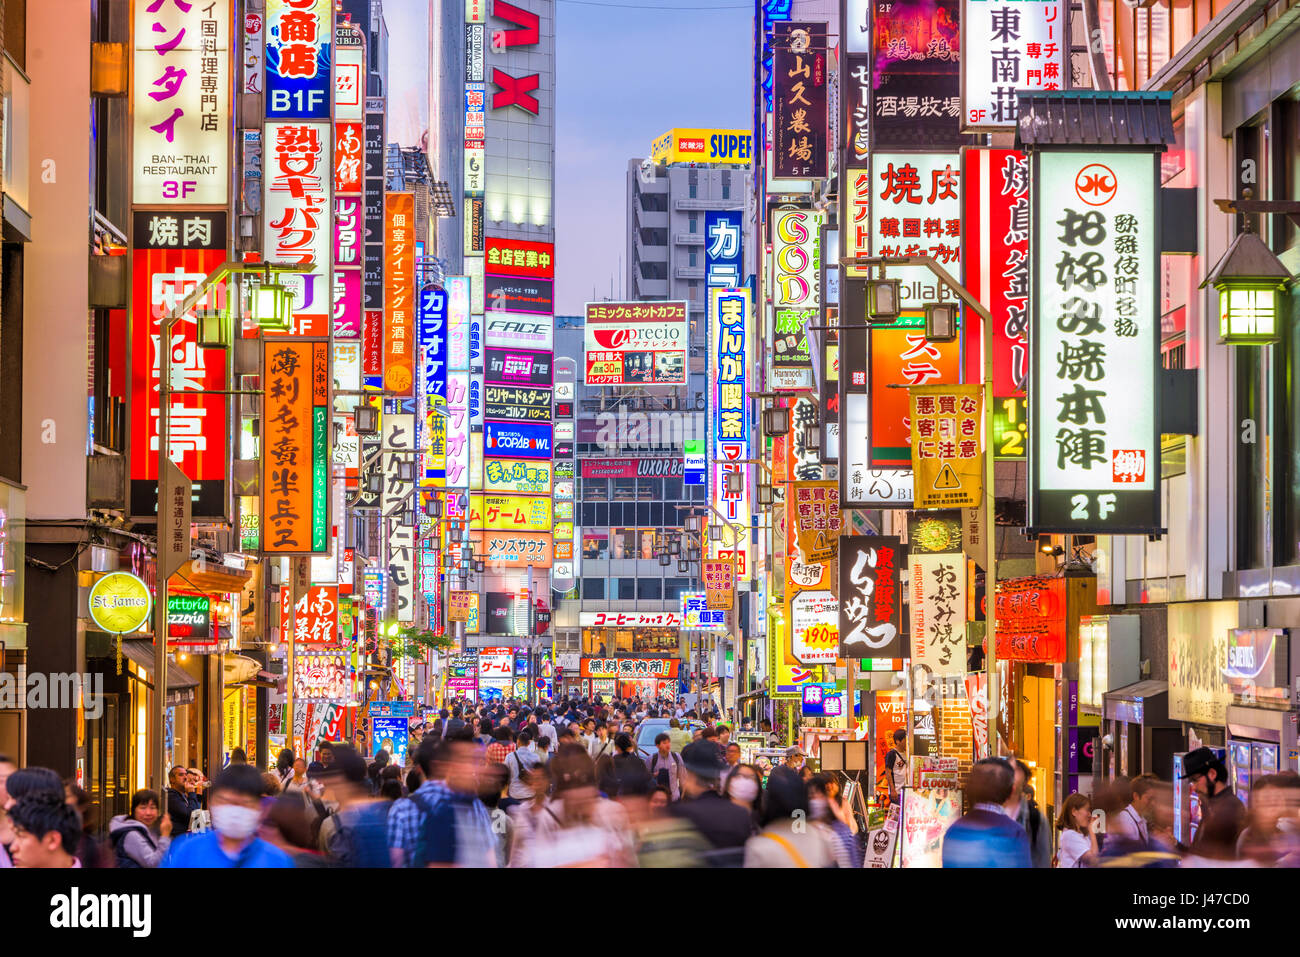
(1094, 462)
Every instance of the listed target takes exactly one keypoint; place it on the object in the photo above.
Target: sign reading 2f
(514, 90)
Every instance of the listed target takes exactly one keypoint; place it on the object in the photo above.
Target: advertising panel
(730, 312)
(399, 293)
(347, 267)
(800, 121)
(1025, 40)
(938, 600)
(519, 257)
(295, 452)
(299, 40)
(902, 355)
(628, 668)
(518, 330)
(916, 209)
(1094, 450)
(995, 260)
(398, 435)
(871, 600)
(724, 257)
(180, 104)
(298, 183)
(698, 616)
(678, 145)
(525, 367)
(947, 455)
(519, 294)
(517, 476)
(162, 276)
(512, 403)
(635, 342)
(916, 89)
(510, 513)
(512, 549)
(796, 294)
(515, 440)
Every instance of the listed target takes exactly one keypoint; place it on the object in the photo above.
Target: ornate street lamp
(776, 421)
(941, 321)
(1248, 279)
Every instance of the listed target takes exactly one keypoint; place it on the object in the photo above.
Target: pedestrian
(895, 773)
(848, 853)
(1132, 824)
(985, 836)
(356, 835)
(786, 840)
(284, 763)
(1270, 833)
(1078, 842)
(722, 823)
(665, 766)
(46, 830)
(795, 757)
(1223, 816)
(679, 736)
(576, 827)
(1022, 809)
(232, 841)
(182, 799)
(745, 790)
(134, 841)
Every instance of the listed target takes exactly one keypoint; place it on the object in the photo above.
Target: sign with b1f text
(1094, 459)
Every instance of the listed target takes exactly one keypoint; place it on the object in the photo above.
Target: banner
(1025, 40)
(399, 293)
(947, 455)
(719, 583)
(871, 600)
(815, 513)
(938, 600)
(629, 343)
(295, 449)
(799, 124)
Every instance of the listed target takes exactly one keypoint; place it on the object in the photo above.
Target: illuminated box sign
(1094, 452)
(628, 669)
(512, 549)
(729, 322)
(510, 513)
(298, 183)
(916, 210)
(616, 619)
(901, 354)
(320, 676)
(513, 403)
(189, 619)
(349, 82)
(398, 495)
(690, 145)
(299, 38)
(519, 294)
(315, 617)
(474, 43)
(518, 331)
(938, 606)
(632, 468)
(995, 260)
(518, 257)
(635, 342)
(197, 439)
(180, 103)
(724, 232)
(295, 449)
(871, 605)
(399, 293)
(1025, 40)
(516, 440)
(523, 367)
(916, 89)
(799, 119)
(349, 156)
(432, 335)
(506, 475)
(347, 313)
(1031, 623)
(855, 80)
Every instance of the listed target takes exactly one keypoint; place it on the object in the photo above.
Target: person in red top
(501, 746)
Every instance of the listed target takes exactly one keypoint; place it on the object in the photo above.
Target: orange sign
(902, 355)
(295, 447)
(399, 293)
(512, 549)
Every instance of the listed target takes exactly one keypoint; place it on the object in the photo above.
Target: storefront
(1137, 735)
(644, 677)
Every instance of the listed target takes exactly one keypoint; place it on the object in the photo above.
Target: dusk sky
(627, 72)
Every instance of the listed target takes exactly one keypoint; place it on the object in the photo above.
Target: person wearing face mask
(235, 801)
(848, 853)
(745, 788)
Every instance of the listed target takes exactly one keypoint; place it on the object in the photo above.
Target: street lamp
(765, 496)
(776, 421)
(664, 559)
(736, 482)
(882, 301)
(1248, 279)
(365, 419)
(271, 305)
(941, 321)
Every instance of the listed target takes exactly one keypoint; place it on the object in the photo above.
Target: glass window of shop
(595, 490)
(595, 545)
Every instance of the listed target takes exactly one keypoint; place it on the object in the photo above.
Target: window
(694, 222)
(726, 191)
(624, 490)
(626, 589)
(595, 490)
(593, 587)
(595, 547)
(673, 587)
(692, 257)
(650, 588)
(694, 191)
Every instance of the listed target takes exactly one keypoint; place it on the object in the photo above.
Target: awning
(1143, 702)
(1095, 119)
(180, 684)
(210, 578)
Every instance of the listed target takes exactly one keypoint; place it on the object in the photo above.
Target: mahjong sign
(1094, 463)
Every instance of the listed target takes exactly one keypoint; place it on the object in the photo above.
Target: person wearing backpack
(134, 843)
(665, 766)
(521, 762)
(356, 835)
(407, 818)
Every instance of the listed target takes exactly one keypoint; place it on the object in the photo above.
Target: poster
(916, 80)
(881, 841)
(926, 814)
(800, 121)
(815, 513)
(871, 601)
(947, 454)
(938, 608)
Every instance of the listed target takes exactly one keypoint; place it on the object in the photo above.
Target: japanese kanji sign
(347, 321)
(162, 277)
(811, 611)
(724, 263)
(632, 343)
(628, 668)
(938, 599)
(396, 502)
(298, 183)
(916, 100)
(916, 211)
(799, 132)
(730, 333)
(815, 514)
(871, 606)
(512, 549)
(902, 355)
(295, 447)
(462, 605)
(1094, 459)
(995, 262)
(796, 294)
(855, 86)
(180, 102)
(698, 615)
(315, 617)
(519, 257)
(1031, 619)
(399, 293)
(947, 448)
(510, 513)
(299, 38)
(719, 583)
(1022, 45)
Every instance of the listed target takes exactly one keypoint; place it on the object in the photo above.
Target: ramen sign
(635, 343)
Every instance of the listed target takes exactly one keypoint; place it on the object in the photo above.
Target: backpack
(120, 857)
(362, 840)
(420, 857)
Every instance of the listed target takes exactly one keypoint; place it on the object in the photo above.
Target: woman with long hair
(1078, 843)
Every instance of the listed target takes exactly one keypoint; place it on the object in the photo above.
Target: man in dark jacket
(723, 823)
(181, 801)
(1223, 816)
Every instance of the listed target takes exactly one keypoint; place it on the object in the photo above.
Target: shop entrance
(108, 760)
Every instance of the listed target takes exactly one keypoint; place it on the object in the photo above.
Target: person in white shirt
(1132, 823)
(1078, 844)
(600, 743)
(547, 730)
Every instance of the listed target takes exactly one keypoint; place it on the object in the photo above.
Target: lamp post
(272, 310)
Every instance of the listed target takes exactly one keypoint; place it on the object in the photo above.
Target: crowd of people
(506, 785)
